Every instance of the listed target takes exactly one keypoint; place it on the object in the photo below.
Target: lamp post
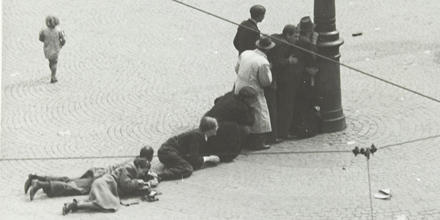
(328, 81)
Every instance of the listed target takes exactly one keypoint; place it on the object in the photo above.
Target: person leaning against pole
(306, 115)
(285, 83)
(253, 70)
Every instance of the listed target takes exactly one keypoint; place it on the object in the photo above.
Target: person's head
(248, 95)
(306, 26)
(52, 21)
(291, 33)
(258, 12)
(142, 165)
(265, 44)
(147, 153)
(209, 126)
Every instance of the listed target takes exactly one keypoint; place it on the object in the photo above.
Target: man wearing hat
(280, 94)
(253, 70)
(307, 40)
(234, 114)
(248, 32)
(305, 101)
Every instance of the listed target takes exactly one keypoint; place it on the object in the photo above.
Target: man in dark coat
(181, 154)
(280, 94)
(306, 120)
(248, 32)
(234, 114)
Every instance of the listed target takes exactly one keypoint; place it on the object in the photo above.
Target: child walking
(53, 39)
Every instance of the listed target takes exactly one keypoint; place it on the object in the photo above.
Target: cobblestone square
(136, 72)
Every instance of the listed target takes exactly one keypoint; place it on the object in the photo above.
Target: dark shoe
(33, 189)
(265, 147)
(28, 183)
(70, 207)
(53, 80)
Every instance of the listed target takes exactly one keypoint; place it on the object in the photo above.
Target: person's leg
(53, 68)
(36, 185)
(229, 140)
(31, 177)
(270, 95)
(284, 105)
(257, 141)
(83, 205)
(89, 205)
(54, 188)
(176, 167)
(69, 188)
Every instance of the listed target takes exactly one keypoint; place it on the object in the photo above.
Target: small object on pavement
(356, 34)
(383, 194)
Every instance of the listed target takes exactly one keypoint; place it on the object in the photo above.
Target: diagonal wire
(316, 54)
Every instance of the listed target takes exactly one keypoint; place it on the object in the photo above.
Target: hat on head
(247, 92)
(306, 24)
(265, 43)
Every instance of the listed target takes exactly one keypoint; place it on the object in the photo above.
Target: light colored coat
(52, 45)
(107, 190)
(253, 70)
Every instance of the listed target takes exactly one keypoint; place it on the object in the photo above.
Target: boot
(70, 207)
(34, 189)
(28, 182)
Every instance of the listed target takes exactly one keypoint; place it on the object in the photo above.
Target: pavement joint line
(245, 154)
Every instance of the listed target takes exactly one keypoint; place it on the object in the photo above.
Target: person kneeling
(181, 154)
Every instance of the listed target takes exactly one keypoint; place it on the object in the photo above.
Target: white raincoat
(253, 70)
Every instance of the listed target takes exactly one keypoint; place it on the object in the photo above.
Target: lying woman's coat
(107, 190)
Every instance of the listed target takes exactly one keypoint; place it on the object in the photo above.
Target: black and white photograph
(228, 109)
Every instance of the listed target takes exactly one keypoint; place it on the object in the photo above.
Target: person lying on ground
(106, 191)
(56, 186)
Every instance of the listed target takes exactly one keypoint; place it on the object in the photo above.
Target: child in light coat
(53, 39)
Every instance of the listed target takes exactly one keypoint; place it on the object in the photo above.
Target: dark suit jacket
(230, 108)
(188, 145)
(279, 57)
(245, 39)
(306, 59)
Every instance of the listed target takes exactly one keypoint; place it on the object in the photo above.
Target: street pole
(328, 81)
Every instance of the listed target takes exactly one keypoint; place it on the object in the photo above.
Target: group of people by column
(282, 69)
(273, 99)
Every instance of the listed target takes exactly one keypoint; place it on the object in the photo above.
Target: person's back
(229, 108)
(249, 66)
(248, 32)
(51, 42)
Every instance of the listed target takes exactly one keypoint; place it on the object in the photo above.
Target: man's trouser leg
(176, 167)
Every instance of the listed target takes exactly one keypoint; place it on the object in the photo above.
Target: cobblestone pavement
(137, 72)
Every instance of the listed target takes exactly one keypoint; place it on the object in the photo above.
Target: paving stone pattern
(137, 72)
